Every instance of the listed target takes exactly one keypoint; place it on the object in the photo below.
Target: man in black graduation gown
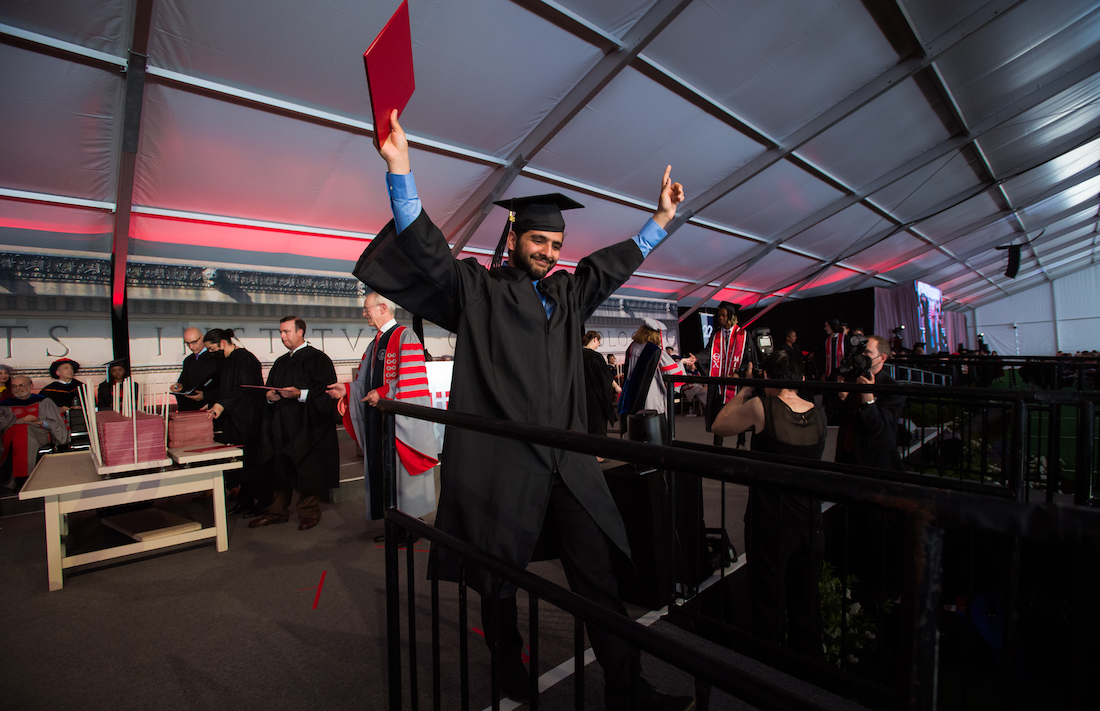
(729, 354)
(301, 424)
(518, 357)
(199, 370)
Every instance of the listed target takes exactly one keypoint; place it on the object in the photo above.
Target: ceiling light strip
(61, 45)
(57, 199)
(245, 222)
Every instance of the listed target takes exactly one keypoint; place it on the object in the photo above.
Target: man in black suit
(790, 338)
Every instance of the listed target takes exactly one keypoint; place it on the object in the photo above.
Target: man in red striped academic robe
(393, 368)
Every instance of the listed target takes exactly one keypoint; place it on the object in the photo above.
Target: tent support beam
(473, 212)
(878, 86)
(1085, 263)
(1051, 88)
(131, 132)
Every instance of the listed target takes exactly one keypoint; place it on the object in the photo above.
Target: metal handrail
(929, 509)
(951, 508)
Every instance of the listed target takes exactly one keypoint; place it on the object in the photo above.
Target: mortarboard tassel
(498, 253)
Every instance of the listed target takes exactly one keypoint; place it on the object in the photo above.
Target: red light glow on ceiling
(198, 233)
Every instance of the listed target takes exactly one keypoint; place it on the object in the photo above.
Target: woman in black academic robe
(117, 371)
(239, 417)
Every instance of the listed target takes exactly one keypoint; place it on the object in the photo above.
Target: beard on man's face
(536, 266)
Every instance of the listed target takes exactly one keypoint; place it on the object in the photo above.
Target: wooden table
(68, 483)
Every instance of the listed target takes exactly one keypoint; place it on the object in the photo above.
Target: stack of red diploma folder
(116, 437)
(190, 428)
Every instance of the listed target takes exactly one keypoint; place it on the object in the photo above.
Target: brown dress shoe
(308, 523)
(267, 520)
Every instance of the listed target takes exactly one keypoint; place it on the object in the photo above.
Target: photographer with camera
(868, 422)
(868, 438)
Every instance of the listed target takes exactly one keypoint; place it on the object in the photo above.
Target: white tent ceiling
(823, 145)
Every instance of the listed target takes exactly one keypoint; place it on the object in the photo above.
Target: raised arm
(395, 151)
(672, 194)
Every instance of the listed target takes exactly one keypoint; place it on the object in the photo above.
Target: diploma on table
(263, 387)
(389, 64)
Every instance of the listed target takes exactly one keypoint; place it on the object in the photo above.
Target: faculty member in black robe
(239, 412)
(300, 420)
(518, 358)
(64, 388)
(598, 387)
(199, 372)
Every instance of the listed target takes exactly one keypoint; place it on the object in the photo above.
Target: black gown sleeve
(417, 270)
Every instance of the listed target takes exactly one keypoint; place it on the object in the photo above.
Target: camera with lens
(764, 343)
(856, 363)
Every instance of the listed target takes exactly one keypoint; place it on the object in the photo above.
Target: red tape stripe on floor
(320, 585)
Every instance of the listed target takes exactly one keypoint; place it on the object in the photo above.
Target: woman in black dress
(239, 416)
(784, 535)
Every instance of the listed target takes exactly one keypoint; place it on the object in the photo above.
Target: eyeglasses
(191, 343)
(366, 309)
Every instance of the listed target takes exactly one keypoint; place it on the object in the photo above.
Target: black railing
(1021, 410)
(1020, 440)
(928, 511)
(1038, 372)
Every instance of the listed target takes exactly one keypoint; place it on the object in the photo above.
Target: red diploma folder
(389, 62)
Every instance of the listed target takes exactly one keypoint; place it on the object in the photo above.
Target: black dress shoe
(267, 520)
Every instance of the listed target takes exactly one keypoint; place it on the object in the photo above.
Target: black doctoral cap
(537, 212)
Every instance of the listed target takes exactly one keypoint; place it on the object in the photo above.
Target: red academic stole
(404, 370)
(725, 357)
(18, 447)
(413, 356)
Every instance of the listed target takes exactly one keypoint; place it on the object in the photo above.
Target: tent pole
(131, 131)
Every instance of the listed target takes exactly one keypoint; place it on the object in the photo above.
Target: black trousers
(586, 556)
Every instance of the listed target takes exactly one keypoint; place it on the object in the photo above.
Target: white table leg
(53, 542)
(220, 524)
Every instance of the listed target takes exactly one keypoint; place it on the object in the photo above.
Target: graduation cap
(731, 308)
(537, 212)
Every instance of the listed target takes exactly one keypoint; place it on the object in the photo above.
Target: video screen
(930, 328)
